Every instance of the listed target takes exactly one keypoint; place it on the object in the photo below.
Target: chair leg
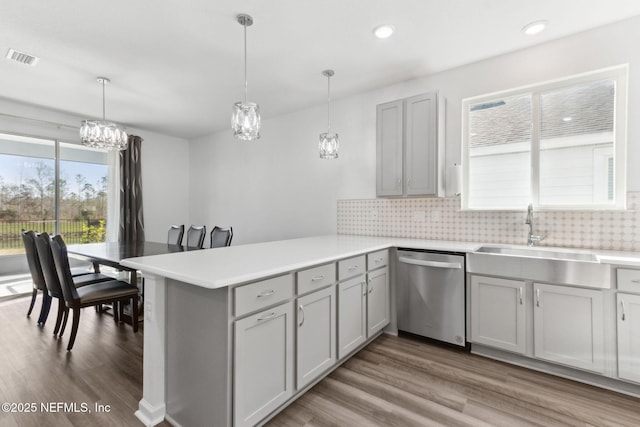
(44, 311)
(134, 313)
(74, 328)
(34, 294)
(59, 317)
(64, 321)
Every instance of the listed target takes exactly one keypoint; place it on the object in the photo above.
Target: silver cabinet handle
(635, 281)
(353, 267)
(301, 308)
(398, 182)
(623, 316)
(370, 289)
(363, 283)
(317, 278)
(268, 316)
(265, 294)
(377, 260)
(408, 182)
(437, 264)
(537, 297)
(520, 292)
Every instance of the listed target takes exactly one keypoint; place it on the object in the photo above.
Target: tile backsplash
(442, 219)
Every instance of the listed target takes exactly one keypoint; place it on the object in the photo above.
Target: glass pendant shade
(245, 121)
(328, 145)
(101, 133)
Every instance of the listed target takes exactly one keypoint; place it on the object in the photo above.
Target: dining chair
(221, 236)
(43, 246)
(195, 236)
(37, 276)
(175, 235)
(112, 291)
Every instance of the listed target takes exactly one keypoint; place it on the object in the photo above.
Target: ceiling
(176, 67)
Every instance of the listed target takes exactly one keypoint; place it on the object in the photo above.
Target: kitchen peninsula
(232, 335)
(201, 343)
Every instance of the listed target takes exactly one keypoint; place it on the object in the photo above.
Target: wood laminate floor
(393, 382)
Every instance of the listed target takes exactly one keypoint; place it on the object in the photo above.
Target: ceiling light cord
(245, 62)
(104, 114)
(328, 104)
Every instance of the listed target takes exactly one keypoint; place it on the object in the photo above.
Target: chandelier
(328, 144)
(245, 120)
(101, 133)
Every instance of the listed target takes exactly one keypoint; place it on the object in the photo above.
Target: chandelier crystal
(245, 120)
(103, 134)
(328, 145)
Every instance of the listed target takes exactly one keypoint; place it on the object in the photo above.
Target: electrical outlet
(419, 216)
(373, 214)
(435, 216)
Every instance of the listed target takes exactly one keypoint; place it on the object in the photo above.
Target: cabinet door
(389, 130)
(568, 326)
(421, 145)
(352, 315)
(498, 313)
(316, 336)
(377, 301)
(263, 368)
(628, 336)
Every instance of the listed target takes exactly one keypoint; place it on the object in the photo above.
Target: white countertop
(220, 267)
(216, 268)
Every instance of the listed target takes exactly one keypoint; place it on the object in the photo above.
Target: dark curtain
(131, 213)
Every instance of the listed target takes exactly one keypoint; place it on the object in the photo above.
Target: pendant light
(328, 145)
(245, 120)
(101, 133)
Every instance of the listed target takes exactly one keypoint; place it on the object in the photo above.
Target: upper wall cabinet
(410, 147)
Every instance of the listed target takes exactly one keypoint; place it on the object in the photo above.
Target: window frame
(620, 75)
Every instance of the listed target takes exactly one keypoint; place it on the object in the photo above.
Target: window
(58, 194)
(559, 145)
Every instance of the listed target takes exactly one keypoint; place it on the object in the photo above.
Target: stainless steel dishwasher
(430, 295)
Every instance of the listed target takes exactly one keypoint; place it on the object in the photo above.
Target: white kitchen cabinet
(377, 300)
(568, 326)
(498, 313)
(352, 315)
(628, 313)
(316, 335)
(263, 363)
(409, 148)
(389, 143)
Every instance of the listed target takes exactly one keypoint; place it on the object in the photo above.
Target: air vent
(22, 57)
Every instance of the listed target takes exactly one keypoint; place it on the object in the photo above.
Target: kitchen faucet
(531, 238)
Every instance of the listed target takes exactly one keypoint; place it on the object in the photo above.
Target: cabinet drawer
(351, 267)
(377, 259)
(628, 280)
(316, 278)
(262, 294)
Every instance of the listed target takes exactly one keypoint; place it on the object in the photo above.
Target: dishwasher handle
(424, 263)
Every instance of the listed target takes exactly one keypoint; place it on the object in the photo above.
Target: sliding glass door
(52, 186)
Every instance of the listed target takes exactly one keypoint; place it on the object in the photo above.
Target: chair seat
(103, 291)
(90, 278)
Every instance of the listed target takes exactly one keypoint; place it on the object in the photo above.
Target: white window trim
(617, 73)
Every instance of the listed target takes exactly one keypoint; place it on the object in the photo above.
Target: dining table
(112, 253)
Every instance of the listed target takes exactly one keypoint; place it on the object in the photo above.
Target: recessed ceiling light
(384, 31)
(534, 27)
(567, 119)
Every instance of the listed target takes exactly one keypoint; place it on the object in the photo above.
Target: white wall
(278, 188)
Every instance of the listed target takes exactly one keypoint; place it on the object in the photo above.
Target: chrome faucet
(531, 238)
